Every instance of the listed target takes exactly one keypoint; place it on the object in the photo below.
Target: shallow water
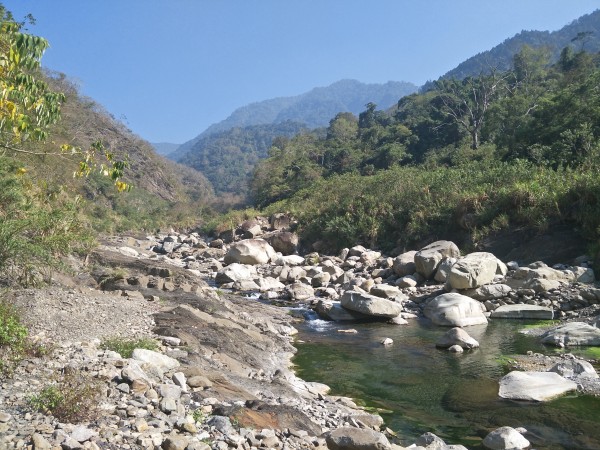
(426, 389)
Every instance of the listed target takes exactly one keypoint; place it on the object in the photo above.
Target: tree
(467, 101)
(28, 106)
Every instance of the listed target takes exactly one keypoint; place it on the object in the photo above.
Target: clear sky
(170, 68)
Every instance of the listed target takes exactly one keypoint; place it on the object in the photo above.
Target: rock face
(457, 336)
(534, 386)
(573, 333)
(428, 258)
(250, 251)
(370, 305)
(472, 271)
(523, 311)
(348, 438)
(455, 310)
(505, 438)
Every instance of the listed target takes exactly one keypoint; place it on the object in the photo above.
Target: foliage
(74, 397)
(125, 347)
(13, 335)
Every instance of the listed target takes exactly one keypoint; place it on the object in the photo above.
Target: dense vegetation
(466, 158)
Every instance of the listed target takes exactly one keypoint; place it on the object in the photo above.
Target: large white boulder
(572, 333)
(370, 304)
(250, 251)
(428, 258)
(505, 438)
(455, 310)
(235, 273)
(534, 386)
(472, 271)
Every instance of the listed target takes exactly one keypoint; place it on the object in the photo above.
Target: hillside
(160, 186)
(228, 158)
(164, 148)
(313, 109)
(500, 57)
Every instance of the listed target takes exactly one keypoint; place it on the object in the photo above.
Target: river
(419, 388)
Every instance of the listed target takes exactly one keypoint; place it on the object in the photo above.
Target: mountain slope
(164, 148)
(500, 57)
(314, 108)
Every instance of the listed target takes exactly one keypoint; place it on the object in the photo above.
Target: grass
(125, 347)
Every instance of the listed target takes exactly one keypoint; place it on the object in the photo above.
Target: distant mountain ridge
(500, 57)
(164, 148)
(314, 108)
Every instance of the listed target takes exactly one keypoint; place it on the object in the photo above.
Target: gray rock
(300, 291)
(428, 258)
(269, 284)
(472, 271)
(523, 311)
(348, 438)
(250, 251)
(534, 386)
(222, 424)
(505, 438)
(489, 292)
(81, 433)
(40, 442)
(235, 272)
(404, 264)
(169, 391)
(330, 310)
(370, 305)
(284, 242)
(443, 270)
(572, 333)
(199, 381)
(455, 310)
(406, 281)
(386, 291)
(457, 336)
(430, 441)
(162, 362)
(175, 442)
(456, 349)
(575, 368)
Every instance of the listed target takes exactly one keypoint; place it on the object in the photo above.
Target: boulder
(269, 284)
(288, 260)
(457, 336)
(320, 279)
(455, 310)
(489, 292)
(523, 311)
(370, 304)
(575, 368)
(329, 310)
(279, 221)
(404, 264)
(472, 271)
(250, 251)
(162, 362)
(583, 274)
(443, 270)
(572, 333)
(505, 438)
(350, 438)
(299, 291)
(386, 291)
(235, 272)
(284, 242)
(534, 386)
(407, 281)
(428, 258)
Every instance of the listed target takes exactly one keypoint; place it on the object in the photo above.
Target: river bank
(237, 351)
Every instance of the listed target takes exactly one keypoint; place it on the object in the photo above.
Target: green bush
(125, 347)
(74, 397)
(13, 338)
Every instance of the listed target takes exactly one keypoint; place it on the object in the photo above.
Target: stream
(418, 388)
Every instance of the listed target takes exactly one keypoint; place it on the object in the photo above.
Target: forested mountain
(164, 148)
(581, 34)
(467, 158)
(313, 109)
(228, 158)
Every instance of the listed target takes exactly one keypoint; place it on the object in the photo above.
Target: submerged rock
(457, 336)
(505, 438)
(573, 333)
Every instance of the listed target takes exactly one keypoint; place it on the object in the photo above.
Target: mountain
(164, 148)
(227, 158)
(587, 28)
(314, 108)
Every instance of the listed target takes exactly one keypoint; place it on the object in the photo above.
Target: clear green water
(452, 395)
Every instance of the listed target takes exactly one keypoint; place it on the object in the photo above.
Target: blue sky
(170, 68)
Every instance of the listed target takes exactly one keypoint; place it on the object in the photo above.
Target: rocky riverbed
(222, 377)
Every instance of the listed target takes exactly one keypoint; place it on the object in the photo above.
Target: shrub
(125, 347)
(13, 336)
(74, 397)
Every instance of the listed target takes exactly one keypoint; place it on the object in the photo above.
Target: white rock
(534, 386)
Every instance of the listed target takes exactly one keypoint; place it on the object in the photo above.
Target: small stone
(455, 349)
(199, 381)
(175, 442)
(4, 417)
(387, 341)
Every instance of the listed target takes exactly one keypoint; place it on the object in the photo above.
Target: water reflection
(452, 395)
